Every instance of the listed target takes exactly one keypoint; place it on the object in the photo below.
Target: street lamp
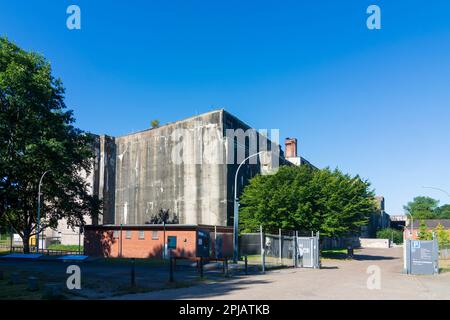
(39, 211)
(236, 215)
(412, 223)
(439, 189)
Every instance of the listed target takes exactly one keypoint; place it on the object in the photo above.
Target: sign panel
(423, 257)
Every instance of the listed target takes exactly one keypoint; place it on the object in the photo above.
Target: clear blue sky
(376, 103)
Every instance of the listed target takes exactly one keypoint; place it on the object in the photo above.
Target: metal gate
(308, 255)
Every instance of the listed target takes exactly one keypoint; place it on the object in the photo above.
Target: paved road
(338, 279)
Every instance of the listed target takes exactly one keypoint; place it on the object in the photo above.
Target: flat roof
(157, 226)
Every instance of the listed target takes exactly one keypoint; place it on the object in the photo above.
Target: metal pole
(280, 246)
(262, 249)
(164, 240)
(246, 265)
(412, 224)
(236, 211)
(79, 240)
(133, 272)
(11, 238)
(38, 220)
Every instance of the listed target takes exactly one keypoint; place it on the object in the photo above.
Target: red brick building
(149, 240)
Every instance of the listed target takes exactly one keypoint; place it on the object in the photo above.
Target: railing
(48, 252)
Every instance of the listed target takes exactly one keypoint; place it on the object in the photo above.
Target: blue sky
(374, 103)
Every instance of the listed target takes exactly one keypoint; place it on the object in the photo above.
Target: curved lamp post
(38, 221)
(439, 189)
(236, 214)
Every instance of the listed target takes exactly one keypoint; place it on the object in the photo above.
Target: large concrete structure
(187, 167)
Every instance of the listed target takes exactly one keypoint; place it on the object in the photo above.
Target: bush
(393, 234)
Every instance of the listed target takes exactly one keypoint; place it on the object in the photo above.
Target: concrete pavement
(338, 279)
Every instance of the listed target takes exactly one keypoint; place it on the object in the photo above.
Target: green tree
(422, 208)
(393, 234)
(154, 123)
(442, 236)
(443, 212)
(424, 234)
(301, 198)
(36, 135)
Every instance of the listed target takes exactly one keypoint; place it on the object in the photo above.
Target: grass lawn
(138, 262)
(64, 247)
(19, 291)
(444, 265)
(335, 253)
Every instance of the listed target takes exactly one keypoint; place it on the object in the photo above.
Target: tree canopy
(36, 135)
(306, 199)
(427, 208)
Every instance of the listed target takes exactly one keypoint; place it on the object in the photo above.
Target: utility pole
(38, 221)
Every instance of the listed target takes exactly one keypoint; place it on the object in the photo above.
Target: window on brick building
(141, 235)
(155, 235)
(128, 234)
(116, 234)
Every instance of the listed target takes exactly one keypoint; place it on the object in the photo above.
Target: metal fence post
(133, 272)
(295, 249)
(246, 265)
(263, 262)
(280, 246)
(201, 267)
(171, 269)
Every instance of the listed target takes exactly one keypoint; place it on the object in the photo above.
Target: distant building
(431, 225)
(377, 220)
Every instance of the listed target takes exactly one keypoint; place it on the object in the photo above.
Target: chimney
(291, 147)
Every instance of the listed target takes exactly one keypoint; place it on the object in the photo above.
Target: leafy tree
(395, 235)
(301, 198)
(422, 208)
(443, 212)
(36, 135)
(163, 217)
(442, 236)
(424, 234)
(154, 123)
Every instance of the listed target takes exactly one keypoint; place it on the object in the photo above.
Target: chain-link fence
(280, 249)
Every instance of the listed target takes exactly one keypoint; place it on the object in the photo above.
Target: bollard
(33, 284)
(201, 267)
(246, 265)
(226, 266)
(171, 269)
(133, 272)
(52, 291)
(14, 279)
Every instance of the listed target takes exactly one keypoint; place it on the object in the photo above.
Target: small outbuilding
(158, 241)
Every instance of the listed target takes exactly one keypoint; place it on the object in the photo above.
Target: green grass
(64, 247)
(138, 262)
(335, 253)
(20, 291)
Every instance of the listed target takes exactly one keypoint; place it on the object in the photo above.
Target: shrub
(393, 234)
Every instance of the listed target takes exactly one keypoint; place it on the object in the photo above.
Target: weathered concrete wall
(181, 166)
(374, 243)
(148, 178)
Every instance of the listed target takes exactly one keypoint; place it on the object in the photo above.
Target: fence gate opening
(308, 255)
